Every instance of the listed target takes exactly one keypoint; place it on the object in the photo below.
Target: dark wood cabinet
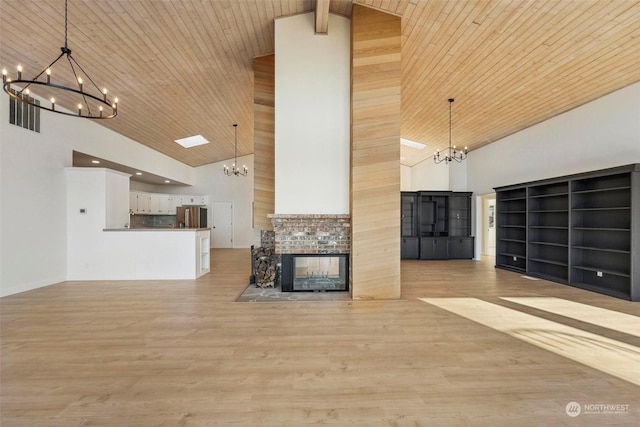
(575, 230)
(460, 247)
(440, 222)
(409, 248)
(434, 248)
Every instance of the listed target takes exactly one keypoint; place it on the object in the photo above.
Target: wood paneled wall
(375, 154)
(263, 141)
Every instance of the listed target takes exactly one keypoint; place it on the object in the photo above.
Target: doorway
(489, 224)
(222, 225)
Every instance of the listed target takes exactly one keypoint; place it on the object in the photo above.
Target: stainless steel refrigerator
(191, 216)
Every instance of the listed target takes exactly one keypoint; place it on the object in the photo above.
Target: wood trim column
(263, 141)
(375, 154)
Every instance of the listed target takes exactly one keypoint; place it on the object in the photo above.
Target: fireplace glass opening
(315, 272)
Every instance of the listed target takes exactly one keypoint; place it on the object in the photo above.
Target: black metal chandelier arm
(36, 77)
(79, 82)
(17, 96)
(86, 74)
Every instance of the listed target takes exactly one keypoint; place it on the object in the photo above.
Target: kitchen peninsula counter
(157, 229)
(154, 253)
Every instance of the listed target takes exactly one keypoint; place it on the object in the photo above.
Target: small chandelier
(91, 102)
(452, 153)
(236, 170)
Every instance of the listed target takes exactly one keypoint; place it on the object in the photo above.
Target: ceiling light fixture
(235, 170)
(81, 91)
(452, 153)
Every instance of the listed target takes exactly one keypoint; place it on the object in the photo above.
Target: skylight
(412, 144)
(192, 141)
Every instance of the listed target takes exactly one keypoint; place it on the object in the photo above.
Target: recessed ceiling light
(192, 141)
(412, 144)
(166, 181)
(95, 162)
(138, 173)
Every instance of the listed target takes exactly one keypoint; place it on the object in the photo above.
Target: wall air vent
(24, 115)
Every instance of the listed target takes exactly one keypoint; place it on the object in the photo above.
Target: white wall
(97, 198)
(426, 175)
(405, 178)
(33, 190)
(601, 134)
(312, 117)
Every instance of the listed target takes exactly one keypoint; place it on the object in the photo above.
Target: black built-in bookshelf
(442, 225)
(582, 230)
(511, 229)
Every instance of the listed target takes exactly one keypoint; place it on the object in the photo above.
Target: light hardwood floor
(184, 353)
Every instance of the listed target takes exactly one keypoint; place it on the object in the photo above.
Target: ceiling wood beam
(322, 16)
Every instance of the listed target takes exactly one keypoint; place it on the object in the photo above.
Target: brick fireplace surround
(311, 234)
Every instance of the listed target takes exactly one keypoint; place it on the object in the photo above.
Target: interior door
(489, 213)
(222, 225)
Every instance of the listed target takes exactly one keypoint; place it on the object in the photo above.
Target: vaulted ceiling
(184, 67)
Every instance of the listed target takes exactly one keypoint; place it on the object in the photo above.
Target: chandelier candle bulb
(79, 109)
(80, 83)
(104, 92)
(48, 75)
(19, 72)
(4, 75)
(53, 104)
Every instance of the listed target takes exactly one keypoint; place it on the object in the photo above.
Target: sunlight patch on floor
(610, 319)
(604, 354)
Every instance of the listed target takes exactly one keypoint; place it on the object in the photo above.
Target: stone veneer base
(312, 233)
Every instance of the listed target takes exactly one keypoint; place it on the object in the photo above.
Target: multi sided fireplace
(315, 272)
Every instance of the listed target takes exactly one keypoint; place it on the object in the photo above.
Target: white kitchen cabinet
(193, 200)
(133, 202)
(143, 203)
(162, 204)
(139, 202)
(159, 204)
(173, 202)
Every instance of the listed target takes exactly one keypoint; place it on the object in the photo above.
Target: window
(24, 115)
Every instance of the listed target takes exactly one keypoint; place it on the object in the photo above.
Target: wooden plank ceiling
(184, 67)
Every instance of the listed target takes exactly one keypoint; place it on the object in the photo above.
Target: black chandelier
(236, 170)
(91, 102)
(452, 152)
